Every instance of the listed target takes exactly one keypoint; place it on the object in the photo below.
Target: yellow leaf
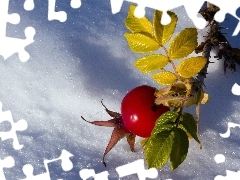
(191, 66)
(171, 96)
(135, 24)
(205, 98)
(179, 88)
(151, 63)
(162, 92)
(141, 43)
(163, 33)
(183, 44)
(165, 77)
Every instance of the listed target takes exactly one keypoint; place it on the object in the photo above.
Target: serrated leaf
(189, 135)
(163, 33)
(165, 77)
(189, 123)
(141, 43)
(165, 122)
(183, 44)
(159, 145)
(158, 149)
(151, 63)
(191, 66)
(179, 148)
(162, 91)
(135, 24)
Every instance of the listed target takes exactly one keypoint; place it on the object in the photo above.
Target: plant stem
(170, 61)
(206, 53)
(213, 40)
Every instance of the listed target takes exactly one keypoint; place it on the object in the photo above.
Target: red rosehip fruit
(139, 113)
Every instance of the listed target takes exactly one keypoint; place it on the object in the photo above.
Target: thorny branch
(214, 40)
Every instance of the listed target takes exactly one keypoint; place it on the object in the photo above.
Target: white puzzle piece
(192, 9)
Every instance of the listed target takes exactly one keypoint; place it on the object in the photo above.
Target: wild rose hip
(138, 117)
(139, 112)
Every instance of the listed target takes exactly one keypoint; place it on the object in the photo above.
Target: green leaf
(189, 123)
(165, 77)
(183, 128)
(135, 24)
(183, 44)
(191, 66)
(141, 43)
(163, 33)
(150, 63)
(179, 148)
(158, 149)
(165, 122)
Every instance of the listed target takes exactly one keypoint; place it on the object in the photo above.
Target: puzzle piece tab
(21, 125)
(66, 164)
(57, 173)
(8, 162)
(52, 14)
(8, 45)
(192, 10)
(164, 6)
(230, 175)
(231, 8)
(236, 89)
(60, 15)
(29, 5)
(137, 167)
(28, 171)
(230, 125)
(220, 158)
(88, 173)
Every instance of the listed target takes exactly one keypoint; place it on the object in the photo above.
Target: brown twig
(216, 40)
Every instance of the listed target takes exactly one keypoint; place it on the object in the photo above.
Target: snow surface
(76, 64)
